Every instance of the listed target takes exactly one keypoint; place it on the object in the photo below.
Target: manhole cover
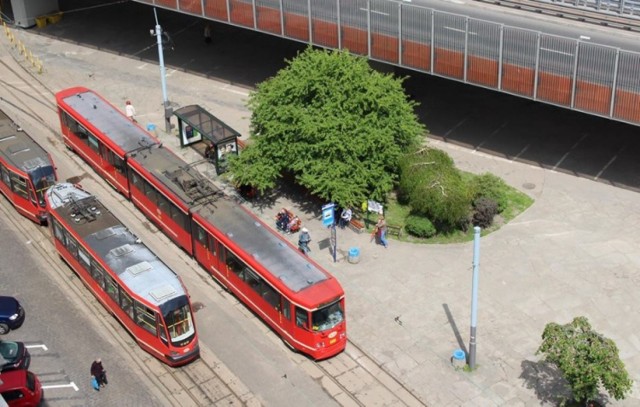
(529, 185)
(197, 306)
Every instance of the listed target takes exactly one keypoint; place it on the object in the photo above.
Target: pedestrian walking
(98, 374)
(381, 227)
(130, 111)
(207, 34)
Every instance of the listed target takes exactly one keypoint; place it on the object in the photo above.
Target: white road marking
(143, 66)
(584, 136)
(43, 346)
(60, 386)
(615, 157)
(584, 37)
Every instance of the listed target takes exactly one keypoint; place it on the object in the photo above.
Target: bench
(357, 223)
(394, 230)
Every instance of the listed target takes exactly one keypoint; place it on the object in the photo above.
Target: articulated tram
(298, 299)
(26, 170)
(143, 293)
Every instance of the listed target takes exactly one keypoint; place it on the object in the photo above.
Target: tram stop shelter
(196, 125)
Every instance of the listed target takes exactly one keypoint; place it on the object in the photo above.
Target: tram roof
(135, 264)
(108, 120)
(261, 243)
(18, 149)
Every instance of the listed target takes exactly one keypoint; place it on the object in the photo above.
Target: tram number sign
(327, 214)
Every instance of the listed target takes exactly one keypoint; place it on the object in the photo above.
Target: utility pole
(474, 297)
(168, 111)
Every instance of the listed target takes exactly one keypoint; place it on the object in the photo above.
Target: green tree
(432, 186)
(586, 359)
(334, 123)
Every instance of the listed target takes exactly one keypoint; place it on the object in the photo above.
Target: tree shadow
(546, 381)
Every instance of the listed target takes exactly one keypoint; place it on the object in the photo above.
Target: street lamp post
(474, 297)
(168, 111)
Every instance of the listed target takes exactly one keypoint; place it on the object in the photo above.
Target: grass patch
(396, 214)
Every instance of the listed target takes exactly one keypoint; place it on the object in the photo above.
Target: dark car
(13, 355)
(11, 314)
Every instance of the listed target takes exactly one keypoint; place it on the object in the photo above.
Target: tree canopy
(335, 124)
(586, 359)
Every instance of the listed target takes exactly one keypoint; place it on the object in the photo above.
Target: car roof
(12, 379)
(8, 304)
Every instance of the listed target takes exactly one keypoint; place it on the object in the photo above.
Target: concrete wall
(26, 11)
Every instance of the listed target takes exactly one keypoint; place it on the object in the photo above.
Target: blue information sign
(327, 214)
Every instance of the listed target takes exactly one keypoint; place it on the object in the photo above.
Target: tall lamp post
(168, 110)
(474, 297)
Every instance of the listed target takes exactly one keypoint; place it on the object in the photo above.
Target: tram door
(286, 315)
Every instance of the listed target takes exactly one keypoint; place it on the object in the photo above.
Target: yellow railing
(22, 49)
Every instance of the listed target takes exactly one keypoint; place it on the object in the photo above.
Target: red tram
(129, 280)
(26, 170)
(299, 300)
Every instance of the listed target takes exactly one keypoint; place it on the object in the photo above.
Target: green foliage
(419, 226)
(432, 186)
(493, 187)
(484, 209)
(337, 125)
(586, 358)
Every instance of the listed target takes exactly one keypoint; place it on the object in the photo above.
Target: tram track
(351, 378)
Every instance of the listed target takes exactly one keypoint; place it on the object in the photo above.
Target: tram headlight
(320, 345)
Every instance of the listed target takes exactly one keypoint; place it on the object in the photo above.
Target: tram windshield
(42, 178)
(178, 320)
(327, 317)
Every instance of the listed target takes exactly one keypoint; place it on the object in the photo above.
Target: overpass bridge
(550, 62)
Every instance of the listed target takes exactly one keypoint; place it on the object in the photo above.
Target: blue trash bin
(354, 255)
(459, 359)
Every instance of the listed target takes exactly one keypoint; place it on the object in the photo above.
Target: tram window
(84, 259)
(94, 143)
(57, 230)
(271, 296)
(201, 235)
(254, 281)
(163, 204)
(5, 175)
(150, 192)
(145, 318)
(118, 163)
(98, 274)
(19, 185)
(32, 196)
(71, 244)
(126, 303)
(163, 331)
(286, 308)
(180, 218)
(112, 288)
(234, 264)
(212, 244)
(301, 317)
(136, 180)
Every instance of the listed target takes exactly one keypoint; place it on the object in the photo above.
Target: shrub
(419, 226)
(492, 187)
(484, 211)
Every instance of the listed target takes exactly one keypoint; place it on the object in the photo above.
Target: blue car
(11, 314)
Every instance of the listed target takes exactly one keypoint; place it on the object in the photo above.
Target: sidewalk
(574, 252)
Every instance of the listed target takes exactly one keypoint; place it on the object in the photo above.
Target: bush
(419, 226)
(492, 187)
(484, 211)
